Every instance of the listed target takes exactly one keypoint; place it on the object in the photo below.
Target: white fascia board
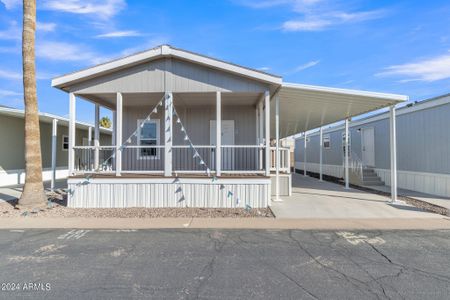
(164, 51)
(394, 97)
(136, 58)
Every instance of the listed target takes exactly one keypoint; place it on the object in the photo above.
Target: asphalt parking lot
(225, 264)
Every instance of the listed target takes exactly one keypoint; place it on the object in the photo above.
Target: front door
(368, 146)
(227, 139)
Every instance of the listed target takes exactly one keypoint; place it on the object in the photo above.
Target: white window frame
(62, 142)
(326, 137)
(158, 153)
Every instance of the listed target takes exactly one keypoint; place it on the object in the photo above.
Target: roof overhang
(48, 118)
(160, 52)
(305, 107)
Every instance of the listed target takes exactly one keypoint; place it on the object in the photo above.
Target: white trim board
(15, 177)
(171, 180)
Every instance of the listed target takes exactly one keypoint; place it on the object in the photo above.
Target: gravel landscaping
(57, 208)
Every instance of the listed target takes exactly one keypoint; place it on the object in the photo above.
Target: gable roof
(160, 52)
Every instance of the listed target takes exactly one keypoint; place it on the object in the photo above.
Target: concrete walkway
(433, 199)
(313, 199)
(10, 193)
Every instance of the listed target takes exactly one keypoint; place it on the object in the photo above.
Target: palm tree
(105, 122)
(33, 194)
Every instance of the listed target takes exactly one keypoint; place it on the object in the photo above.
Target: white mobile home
(423, 147)
(195, 131)
(54, 144)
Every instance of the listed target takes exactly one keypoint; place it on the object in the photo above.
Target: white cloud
(103, 9)
(61, 51)
(118, 34)
(306, 66)
(10, 4)
(264, 69)
(8, 93)
(314, 15)
(432, 69)
(316, 22)
(41, 26)
(11, 75)
(13, 32)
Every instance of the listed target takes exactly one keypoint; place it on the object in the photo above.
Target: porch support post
(168, 114)
(393, 142)
(119, 111)
(267, 130)
(304, 153)
(113, 138)
(97, 136)
(321, 154)
(54, 141)
(89, 136)
(218, 133)
(72, 124)
(346, 154)
(277, 144)
(261, 133)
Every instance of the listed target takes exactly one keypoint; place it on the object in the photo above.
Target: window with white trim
(148, 135)
(326, 141)
(65, 143)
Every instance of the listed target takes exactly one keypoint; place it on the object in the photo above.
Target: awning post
(54, 141)
(119, 111)
(320, 154)
(393, 144)
(304, 153)
(277, 146)
(346, 154)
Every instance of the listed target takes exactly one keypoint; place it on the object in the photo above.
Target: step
(373, 182)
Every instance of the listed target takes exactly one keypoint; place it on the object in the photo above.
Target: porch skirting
(168, 192)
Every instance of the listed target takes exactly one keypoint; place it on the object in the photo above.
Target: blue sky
(388, 46)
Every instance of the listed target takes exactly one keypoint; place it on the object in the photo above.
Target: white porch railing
(150, 159)
(356, 165)
(285, 159)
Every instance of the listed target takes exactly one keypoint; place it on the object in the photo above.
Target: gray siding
(423, 142)
(196, 120)
(171, 75)
(13, 144)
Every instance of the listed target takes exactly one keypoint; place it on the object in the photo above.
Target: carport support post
(72, 118)
(218, 133)
(277, 144)
(261, 133)
(54, 139)
(97, 136)
(168, 115)
(393, 142)
(346, 154)
(304, 153)
(320, 153)
(267, 130)
(119, 111)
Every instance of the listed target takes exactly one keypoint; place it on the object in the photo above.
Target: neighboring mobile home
(423, 147)
(12, 149)
(195, 131)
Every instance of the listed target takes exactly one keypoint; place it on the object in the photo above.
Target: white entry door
(227, 139)
(368, 146)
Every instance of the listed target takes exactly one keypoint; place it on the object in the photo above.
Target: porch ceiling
(182, 99)
(305, 107)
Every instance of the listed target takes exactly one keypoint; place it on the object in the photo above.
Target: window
(148, 135)
(65, 143)
(326, 142)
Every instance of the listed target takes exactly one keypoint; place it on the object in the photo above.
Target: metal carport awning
(305, 107)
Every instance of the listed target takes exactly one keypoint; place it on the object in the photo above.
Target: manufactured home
(192, 130)
(423, 147)
(54, 144)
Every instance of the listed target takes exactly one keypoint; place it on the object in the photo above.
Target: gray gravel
(57, 208)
